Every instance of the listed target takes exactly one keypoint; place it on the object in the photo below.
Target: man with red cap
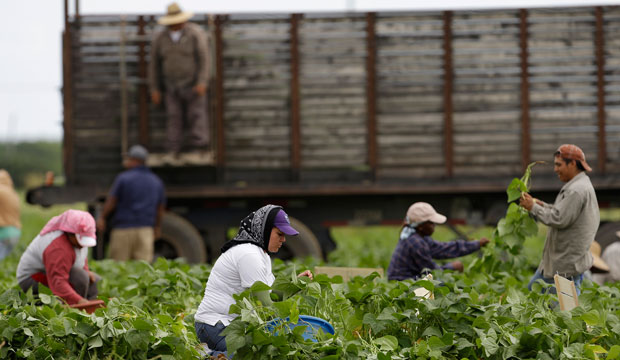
(416, 249)
(573, 219)
(57, 258)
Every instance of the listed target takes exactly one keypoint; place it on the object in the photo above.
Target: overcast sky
(30, 34)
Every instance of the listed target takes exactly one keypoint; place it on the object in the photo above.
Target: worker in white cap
(416, 250)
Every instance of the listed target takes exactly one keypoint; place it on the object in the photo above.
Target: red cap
(573, 152)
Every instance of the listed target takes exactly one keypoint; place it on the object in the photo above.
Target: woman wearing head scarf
(57, 258)
(10, 226)
(244, 260)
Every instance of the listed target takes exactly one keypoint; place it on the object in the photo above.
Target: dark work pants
(78, 279)
(210, 334)
(184, 104)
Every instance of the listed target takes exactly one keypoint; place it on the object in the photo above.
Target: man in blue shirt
(416, 249)
(138, 200)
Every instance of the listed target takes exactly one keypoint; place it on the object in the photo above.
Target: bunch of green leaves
(148, 314)
(505, 252)
(469, 318)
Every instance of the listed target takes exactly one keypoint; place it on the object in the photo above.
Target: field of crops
(484, 313)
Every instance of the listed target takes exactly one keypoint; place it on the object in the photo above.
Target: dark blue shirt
(415, 253)
(139, 193)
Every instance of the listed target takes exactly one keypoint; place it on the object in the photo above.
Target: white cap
(86, 241)
(420, 212)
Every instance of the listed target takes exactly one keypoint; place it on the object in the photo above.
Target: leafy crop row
(485, 313)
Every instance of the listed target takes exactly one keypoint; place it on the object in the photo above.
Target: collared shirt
(573, 220)
(179, 64)
(139, 193)
(416, 253)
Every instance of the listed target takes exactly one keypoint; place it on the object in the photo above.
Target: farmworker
(572, 220)
(137, 199)
(57, 258)
(179, 68)
(244, 260)
(10, 225)
(611, 258)
(416, 249)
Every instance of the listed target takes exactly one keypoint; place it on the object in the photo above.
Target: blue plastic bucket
(312, 323)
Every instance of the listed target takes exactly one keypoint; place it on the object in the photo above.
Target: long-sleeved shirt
(573, 220)
(49, 259)
(9, 202)
(416, 253)
(180, 64)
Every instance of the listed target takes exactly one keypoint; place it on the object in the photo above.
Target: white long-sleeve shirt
(234, 271)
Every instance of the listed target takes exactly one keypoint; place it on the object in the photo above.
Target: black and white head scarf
(255, 228)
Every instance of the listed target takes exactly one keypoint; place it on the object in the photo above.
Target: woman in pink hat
(57, 258)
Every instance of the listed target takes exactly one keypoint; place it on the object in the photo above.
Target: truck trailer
(348, 118)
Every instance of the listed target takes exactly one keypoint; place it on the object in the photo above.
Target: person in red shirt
(57, 258)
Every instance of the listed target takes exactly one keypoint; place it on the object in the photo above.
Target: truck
(348, 118)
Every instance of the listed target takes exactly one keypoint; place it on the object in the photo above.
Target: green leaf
(435, 343)
(514, 189)
(431, 331)
(298, 331)
(259, 286)
(95, 342)
(46, 299)
(294, 313)
(528, 227)
(490, 345)
(387, 343)
(504, 227)
(140, 324)
(591, 318)
(614, 352)
(512, 240)
(28, 332)
(597, 349)
(235, 336)
(481, 323)
(370, 319)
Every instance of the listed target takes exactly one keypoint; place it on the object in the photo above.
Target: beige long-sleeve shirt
(179, 64)
(573, 220)
(9, 202)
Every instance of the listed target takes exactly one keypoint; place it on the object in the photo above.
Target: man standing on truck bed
(180, 66)
(138, 200)
(572, 219)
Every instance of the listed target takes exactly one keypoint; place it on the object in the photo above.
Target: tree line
(27, 162)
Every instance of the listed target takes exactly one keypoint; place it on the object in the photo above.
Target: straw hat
(598, 265)
(175, 15)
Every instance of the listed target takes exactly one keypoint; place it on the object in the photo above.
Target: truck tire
(179, 238)
(606, 234)
(302, 245)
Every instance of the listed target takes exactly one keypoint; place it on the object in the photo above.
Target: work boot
(172, 159)
(198, 157)
(155, 160)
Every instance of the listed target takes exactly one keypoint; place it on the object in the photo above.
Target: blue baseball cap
(282, 222)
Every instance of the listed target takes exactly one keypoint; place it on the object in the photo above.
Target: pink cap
(77, 222)
(421, 212)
